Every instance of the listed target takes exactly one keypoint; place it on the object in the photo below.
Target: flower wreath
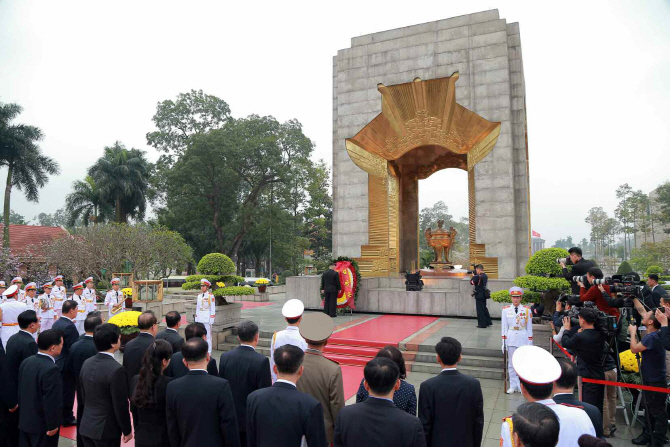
(350, 279)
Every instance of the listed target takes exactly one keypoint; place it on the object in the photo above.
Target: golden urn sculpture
(441, 240)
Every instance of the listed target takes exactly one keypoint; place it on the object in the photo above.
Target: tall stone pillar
(409, 223)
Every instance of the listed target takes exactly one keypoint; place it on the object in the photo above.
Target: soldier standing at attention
(78, 298)
(59, 293)
(204, 310)
(3, 287)
(517, 331)
(322, 377)
(31, 297)
(292, 312)
(114, 299)
(46, 308)
(18, 282)
(479, 280)
(9, 313)
(90, 297)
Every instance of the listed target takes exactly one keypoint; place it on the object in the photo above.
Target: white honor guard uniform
(18, 282)
(81, 307)
(3, 287)
(291, 335)
(59, 294)
(536, 365)
(114, 298)
(517, 330)
(90, 296)
(205, 311)
(45, 303)
(32, 302)
(11, 309)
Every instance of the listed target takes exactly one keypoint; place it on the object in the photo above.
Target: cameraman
(589, 346)
(594, 293)
(579, 267)
(479, 280)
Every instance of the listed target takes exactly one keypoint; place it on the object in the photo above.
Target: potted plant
(262, 284)
(128, 296)
(127, 323)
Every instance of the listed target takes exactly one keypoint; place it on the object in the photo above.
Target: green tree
(564, 243)
(122, 178)
(663, 205)
(624, 268)
(28, 169)
(624, 213)
(57, 219)
(14, 218)
(85, 203)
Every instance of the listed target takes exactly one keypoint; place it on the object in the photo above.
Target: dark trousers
(38, 440)
(68, 395)
(330, 303)
(483, 316)
(243, 439)
(88, 442)
(594, 394)
(12, 421)
(658, 414)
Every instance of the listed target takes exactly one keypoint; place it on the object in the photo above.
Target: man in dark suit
(171, 334)
(102, 393)
(330, 287)
(66, 325)
(41, 393)
(135, 349)
(20, 346)
(451, 405)
(564, 389)
(246, 370)
(200, 408)
(176, 368)
(81, 351)
(480, 280)
(377, 421)
(280, 415)
(653, 299)
(4, 399)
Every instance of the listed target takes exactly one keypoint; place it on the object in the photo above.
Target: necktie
(516, 310)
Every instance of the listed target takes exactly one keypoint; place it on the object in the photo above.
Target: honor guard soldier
(18, 282)
(31, 296)
(3, 287)
(204, 310)
(292, 312)
(78, 297)
(46, 308)
(322, 377)
(517, 330)
(90, 297)
(114, 299)
(9, 313)
(59, 293)
(538, 370)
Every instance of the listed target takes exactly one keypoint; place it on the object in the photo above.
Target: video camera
(628, 285)
(604, 321)
(566, 261)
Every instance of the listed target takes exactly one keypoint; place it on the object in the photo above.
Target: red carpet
(382, 331)
(351, 376)
(252, 304)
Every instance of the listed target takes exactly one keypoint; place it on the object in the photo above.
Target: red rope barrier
(563, 349)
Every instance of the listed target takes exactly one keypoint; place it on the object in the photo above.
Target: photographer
(594, 293)
(579, 267)
(481, 294)
(589, 346)
(653, 374)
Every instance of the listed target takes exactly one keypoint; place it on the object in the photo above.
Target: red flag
(536, 234)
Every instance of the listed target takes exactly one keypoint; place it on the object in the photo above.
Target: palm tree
(27, 167)
(85, 201)
(122, 177)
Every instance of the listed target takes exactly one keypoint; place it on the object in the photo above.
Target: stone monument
(396, 100)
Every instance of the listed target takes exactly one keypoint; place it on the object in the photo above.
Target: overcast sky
(90, 73)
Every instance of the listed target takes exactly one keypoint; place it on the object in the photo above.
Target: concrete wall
(444, 297)
(486, 51)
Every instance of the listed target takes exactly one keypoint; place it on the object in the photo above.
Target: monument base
(444, 272)
(442, 296)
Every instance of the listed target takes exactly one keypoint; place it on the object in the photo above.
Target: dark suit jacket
(591, 410)
(246, 370)
(330, 281)
(451, 409)
(150, 423)
(172, 337)
(20, 346)
(176, 369)
(40, 395)
(102, 395)
(200, 411)
(81, 351)
(378, 422)
(134, 352)
(280, 415)
(70, 337)
(654, 299)
(4, 396)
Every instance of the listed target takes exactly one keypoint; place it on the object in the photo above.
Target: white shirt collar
(198, 369)
(248, 346)
(285, 381)
(86, 335)
(380, 398)
(449, 369)
(563, 394)
(46, 355)
(106, 353)
(172, 329)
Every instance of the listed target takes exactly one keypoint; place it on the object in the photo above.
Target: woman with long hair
(148, 400)
(405, 397)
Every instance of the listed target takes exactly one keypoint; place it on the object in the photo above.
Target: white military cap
(2, 284)
(13, 290)
(293, 308)
(17, 279)
(516, 291)
(535, 365)
(31, 286)
(116, 281)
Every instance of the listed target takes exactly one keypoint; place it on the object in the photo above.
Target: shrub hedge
(544, 262)
(654, 269)
(227, 279)
(216, 264)
(234, 291)
(503, 296)
(540, 283)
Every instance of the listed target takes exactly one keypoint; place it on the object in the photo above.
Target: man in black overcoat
(330, 287)
(66, 325)
(137, 347)
(171, 333)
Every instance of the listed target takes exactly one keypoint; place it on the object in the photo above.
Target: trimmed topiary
(624, 268)
(503, 296)
(654, 269)
(544, 262)
(541, 284)
(216, 264)
(222, 292)
(193, 281)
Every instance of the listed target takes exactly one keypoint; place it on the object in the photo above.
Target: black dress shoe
(643, 439)
(70, 423)
(482, 327)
